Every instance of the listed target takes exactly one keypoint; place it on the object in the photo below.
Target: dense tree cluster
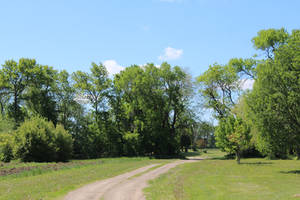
(268, 116)
(143, 110)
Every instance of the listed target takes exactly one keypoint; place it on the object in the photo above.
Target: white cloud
(113, 67)
(247, 84)
(171, 54)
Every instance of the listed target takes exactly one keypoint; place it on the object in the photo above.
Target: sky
(70, 34)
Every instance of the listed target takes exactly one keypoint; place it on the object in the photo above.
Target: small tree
(233, 135)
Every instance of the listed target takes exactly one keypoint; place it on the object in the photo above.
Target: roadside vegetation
(220, 178)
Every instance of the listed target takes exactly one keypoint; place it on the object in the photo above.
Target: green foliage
(14, 79)
(6, 147)
(269, 40)
(6, 125)
(244, 66)
(93, 86)
(218, 86)
(275, 100)
(232, 135)
(148, 106)
(38, 140)
(64, 144)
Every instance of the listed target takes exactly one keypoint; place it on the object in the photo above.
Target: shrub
(6, 149)
(38, 140)
(64, 144)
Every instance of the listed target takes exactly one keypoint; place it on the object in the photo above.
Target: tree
(66, 101)
(244, 67)
(219, 85)
(269, 40)
(15, 77)
(275, 99)
(206, 133)
(93, 86)
(40, 94)
(232, 135)
(153, 101)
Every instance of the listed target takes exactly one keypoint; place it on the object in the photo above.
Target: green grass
(219, 179)
(54, 184)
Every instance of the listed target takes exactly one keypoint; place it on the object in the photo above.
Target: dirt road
(121, 187)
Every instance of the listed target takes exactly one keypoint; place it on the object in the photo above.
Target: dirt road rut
(121, 187)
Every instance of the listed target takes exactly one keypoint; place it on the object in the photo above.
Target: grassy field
(28, 181)
(218, 179)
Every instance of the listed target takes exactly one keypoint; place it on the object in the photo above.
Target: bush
(6, 149)
(38, 140)
(64, 144)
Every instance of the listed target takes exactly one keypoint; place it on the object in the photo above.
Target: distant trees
(152, 103)
(142, 111)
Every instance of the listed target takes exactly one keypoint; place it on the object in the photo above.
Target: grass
(218, 179)
(55, 183)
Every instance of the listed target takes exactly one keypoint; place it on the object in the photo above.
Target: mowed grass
(219, 179)
(54, 184)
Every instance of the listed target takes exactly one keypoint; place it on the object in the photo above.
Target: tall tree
(93, 86)
(41, 93)
(269, 40)
(219, 86)
(275, 99)
(15, 76)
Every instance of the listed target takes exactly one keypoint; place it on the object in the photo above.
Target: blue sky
(189, 33)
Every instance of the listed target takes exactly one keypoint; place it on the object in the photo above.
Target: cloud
(113, 67)
(247, 84)
(171, 54)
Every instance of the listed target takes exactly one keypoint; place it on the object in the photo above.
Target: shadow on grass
(291, 172)
(256, 163)
(190, 154)
(220, 158)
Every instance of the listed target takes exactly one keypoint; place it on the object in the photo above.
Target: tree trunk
(238, 157)
(298, 153)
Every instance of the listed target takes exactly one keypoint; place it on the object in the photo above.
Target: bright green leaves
(244, 66)
(275, 99)
(14, 79)
(218, 85)
(153, 99)
(269, 40)
(94, 86)
(232, 135)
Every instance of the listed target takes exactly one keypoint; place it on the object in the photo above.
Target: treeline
(52, 115)
(266, 118)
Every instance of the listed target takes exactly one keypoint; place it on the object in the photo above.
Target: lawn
(28, 181)
(218, 179)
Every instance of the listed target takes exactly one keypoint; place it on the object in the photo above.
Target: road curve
(121, 187)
